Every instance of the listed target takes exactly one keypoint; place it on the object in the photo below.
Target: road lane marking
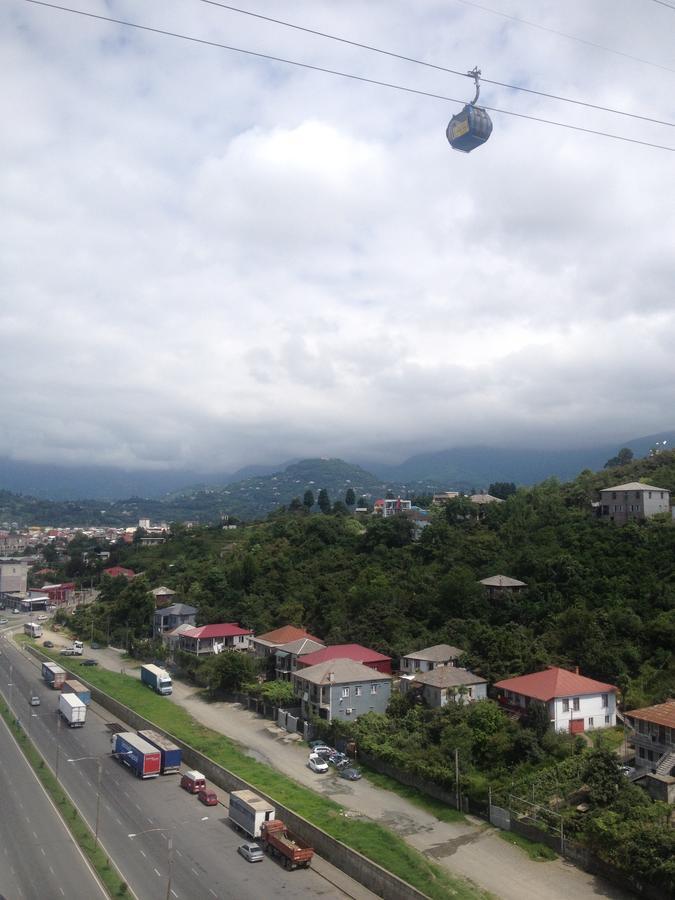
(142, 852)
(195, 873)
(158, 874)
(52, 871)
(42, 851)
(35, 836)
(177, 852)
(212, 892)
(62, 892)
(173, 892)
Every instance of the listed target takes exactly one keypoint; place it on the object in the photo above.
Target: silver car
(251, 852)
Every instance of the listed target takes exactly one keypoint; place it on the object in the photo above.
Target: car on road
(316, 763)
(95, 646)
(208, 798)
(4, 621)
(42, 618)
(251, 852)
(350, 774)
(35, 700)
(16, 612)
(89, 662)
(48, 644)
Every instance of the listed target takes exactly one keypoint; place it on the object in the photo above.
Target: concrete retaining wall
(352, 863)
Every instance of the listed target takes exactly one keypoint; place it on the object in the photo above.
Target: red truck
(279, 841)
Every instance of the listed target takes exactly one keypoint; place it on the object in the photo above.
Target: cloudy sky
(209, 259)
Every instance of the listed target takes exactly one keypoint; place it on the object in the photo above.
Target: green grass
(82, 834)
(435, 807)
(374, 841)
(612, 738)
(537, 852)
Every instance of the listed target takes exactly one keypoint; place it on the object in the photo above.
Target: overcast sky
(210, 260)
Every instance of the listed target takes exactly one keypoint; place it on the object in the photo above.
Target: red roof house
(355, 652)
(575, 703)
(117, 571)
(209, 639)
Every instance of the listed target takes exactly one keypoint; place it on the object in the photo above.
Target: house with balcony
(394, 506)
(210, 639)
(355, 652)
(653, 737)
(286, 656)
(430, 658)
(574, 703)
(265, 645)
(446, 684)
(341, 689)
(171, 617)
(632, 502)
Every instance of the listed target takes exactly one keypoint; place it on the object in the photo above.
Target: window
(605, 701)
(606, 720)
(357, 691)
(575, 703)
(349, 711)
(637, 495)
(373, 689)
(614, 495)
(590, 721)
(566, 705)
(345, 692)
(650, 495)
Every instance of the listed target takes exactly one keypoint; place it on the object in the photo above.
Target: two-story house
(446, 684)
(430, 658)
(210, 639)
(171, 617)
(267, 644)
(341, 689)
(574, 703)
(355, 652)
(632, 502)
(653, 737)
(286, 656)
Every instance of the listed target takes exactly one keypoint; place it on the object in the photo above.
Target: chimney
(576, 670)
(331, 677)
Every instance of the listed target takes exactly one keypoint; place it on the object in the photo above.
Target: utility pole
(457, 777)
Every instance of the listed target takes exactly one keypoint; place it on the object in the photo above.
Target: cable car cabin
(469, 128)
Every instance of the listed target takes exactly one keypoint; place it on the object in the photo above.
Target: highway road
(205, 862)
(38, 857)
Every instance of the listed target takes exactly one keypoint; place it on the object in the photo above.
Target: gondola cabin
(469, 128)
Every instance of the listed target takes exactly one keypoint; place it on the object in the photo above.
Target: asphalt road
(38, 858)
(205, 861)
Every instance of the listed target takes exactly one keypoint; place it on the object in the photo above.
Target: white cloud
(211, 260)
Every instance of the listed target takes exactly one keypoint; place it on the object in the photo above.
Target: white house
(447, 683)
(430, 658)
(574, 703)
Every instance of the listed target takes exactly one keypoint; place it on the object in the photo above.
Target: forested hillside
(598, 596)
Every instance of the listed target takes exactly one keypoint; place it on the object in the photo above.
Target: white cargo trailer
(73, 710)
(248, 811)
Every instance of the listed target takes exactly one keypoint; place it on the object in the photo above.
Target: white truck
(75, 650)
(248, 811)
(73, 710)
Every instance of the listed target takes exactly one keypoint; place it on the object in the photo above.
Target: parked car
(314, 744)
(338, 760)
(4, 621)
(89, 662)
(208, 798)
(42, 618)
(627, 771)
(35, 700)
(193, 782)
(16, 612)
(251, 852)
(48, 644)
(350, 774)
(95, 646)
(316, 763)
(324, 750)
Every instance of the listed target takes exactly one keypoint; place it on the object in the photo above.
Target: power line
(569, 37)
(663, 3)
(360, 78)
(421, 62)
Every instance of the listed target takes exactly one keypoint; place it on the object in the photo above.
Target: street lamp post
(170, 829)
(99, 761)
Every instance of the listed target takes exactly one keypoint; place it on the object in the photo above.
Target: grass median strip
(82, 834)
(374, 841)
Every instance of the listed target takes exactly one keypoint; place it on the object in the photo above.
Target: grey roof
(183, 628)
(344, 671)
(177, 609)
(633, 486)
(437, 653)
(300, 647)
(449, 676)
(485, 498)
(501, 581)
(161, 590)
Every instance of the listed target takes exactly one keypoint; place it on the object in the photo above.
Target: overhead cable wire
(570, 37)
(360, 78)
(663, 3)
(421, 62)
